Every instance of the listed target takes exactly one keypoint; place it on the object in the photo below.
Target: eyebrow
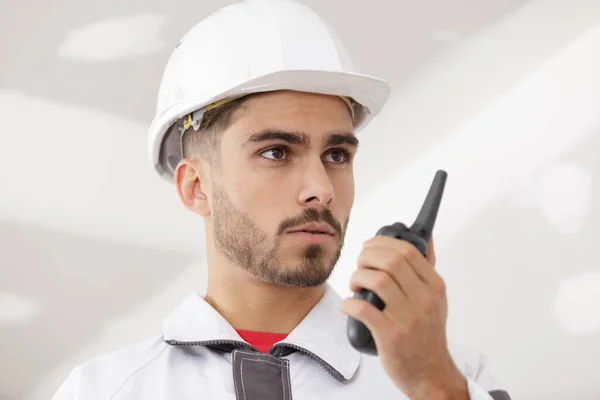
(301, 138)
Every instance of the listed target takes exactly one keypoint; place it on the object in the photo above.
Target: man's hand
(410, 332)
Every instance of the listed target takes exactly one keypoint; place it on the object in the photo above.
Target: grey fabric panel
(260, 376)
(225, 348)
(499, 395)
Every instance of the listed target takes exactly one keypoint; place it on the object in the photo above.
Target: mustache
(311, 215)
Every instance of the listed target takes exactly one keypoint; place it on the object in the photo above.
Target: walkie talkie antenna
(423, 225)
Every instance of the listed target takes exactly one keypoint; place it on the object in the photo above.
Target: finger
(431, 252)
(407, 250)
(379, 282)
(396, 266)
(374, 319)
(423, 267)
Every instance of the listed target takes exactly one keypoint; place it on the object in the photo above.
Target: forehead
(314, 114)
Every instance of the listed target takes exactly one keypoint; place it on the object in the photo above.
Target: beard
(243, 243)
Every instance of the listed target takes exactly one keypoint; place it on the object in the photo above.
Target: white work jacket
(200, 356)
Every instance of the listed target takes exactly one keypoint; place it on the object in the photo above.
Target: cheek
(343, 184)
(262, 197)
(267, 194)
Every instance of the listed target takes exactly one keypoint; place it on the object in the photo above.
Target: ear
(193, 186)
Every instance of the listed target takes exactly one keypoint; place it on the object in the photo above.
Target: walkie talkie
(418, 234)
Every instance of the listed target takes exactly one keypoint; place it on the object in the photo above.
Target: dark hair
(206, 141)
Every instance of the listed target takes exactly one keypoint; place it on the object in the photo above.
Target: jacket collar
(322, 332)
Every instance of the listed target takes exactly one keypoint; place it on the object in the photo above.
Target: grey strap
(260, 376)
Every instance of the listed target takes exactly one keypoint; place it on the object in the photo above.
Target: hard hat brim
(370, 92)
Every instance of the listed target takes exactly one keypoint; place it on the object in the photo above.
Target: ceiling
(96, 249)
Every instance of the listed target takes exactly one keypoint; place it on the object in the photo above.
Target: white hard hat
(249, 47)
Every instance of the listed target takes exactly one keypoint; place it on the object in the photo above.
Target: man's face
(286, 161)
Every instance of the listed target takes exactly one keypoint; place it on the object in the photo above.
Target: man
(256, 127)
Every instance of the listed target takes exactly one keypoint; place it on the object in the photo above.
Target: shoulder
(467, 358)
(474, 364)
(101, 377)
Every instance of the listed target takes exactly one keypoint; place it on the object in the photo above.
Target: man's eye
(276, 153)
(338, 156)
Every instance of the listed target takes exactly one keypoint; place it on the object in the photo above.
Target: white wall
(518, 227)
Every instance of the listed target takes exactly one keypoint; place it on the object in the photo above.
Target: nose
(317, 189)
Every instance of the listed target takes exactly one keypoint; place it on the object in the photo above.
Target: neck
(249, 304)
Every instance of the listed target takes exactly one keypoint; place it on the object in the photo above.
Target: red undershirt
(261, 340)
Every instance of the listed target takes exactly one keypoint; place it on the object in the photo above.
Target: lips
(317, 229)
(314, 232)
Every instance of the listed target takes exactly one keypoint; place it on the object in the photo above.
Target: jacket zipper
(211, 342)
(332, 371)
